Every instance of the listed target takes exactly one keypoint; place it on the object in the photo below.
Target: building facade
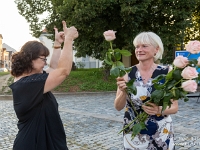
(5, 54)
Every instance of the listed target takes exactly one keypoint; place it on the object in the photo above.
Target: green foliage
(87, 80)
(4, 73)
(4, 87)
(192, 33)
(112, 58)
(168, 18)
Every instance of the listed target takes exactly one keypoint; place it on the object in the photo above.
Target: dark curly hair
(22, 60)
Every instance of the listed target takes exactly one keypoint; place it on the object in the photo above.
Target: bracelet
(56, 47)
(161, 113)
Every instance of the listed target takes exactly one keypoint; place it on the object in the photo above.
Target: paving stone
(92, 123)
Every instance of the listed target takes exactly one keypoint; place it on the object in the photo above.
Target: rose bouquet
(181, 79)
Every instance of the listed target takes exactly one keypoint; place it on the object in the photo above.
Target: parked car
(3, 70)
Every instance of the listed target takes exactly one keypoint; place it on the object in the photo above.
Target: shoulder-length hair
(152, 39)
(22, 60)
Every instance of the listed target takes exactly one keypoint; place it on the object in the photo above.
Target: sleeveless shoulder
(131, 74)
(34, 78)
(31, 82)
(162, 69)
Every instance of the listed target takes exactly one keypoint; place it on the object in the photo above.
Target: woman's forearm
(66, 56)
(120, 100)
(54, 58)
(171, 110)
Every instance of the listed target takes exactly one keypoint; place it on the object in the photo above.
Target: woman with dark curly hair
(39, 123)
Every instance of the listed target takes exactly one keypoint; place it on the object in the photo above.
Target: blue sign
(186, 53)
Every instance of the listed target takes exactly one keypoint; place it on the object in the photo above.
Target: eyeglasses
(44, 59)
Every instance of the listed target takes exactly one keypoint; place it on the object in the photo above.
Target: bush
(80, 65)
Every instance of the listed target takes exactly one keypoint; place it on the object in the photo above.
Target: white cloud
(13, 27)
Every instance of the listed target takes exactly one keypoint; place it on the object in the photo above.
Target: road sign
(186, 53)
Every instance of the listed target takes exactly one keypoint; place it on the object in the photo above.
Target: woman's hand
(121, 83)
(152, 109)
(69, 33)
(59, 37)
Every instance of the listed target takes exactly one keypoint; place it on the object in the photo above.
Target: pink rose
(109, 35)
(198, 61)
(189, 73)
(180, 61)
(189, 86)
(193, 47)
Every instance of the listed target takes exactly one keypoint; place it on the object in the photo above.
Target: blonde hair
(152, 39)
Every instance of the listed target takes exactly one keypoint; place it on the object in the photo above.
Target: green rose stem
(111, 46)
(140, 118)
(177, 82)
(113, 51)
(126, 88)
(131, 101)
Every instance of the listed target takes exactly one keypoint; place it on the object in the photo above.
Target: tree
(168, 18)
(193, 33)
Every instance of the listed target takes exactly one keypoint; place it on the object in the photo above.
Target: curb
(83, 93)
(6, 97)
(10, 97)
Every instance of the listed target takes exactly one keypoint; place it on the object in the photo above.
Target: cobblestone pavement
(92, 123)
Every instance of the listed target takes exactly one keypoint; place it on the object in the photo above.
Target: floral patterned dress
(159, 133)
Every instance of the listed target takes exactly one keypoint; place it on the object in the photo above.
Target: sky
(13, 27)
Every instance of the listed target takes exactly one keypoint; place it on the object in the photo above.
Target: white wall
(126, 61)
(48, 43)
(88, 61)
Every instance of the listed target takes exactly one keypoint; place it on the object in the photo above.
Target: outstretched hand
(69, 33)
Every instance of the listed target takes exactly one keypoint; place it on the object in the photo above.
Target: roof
(8, 48)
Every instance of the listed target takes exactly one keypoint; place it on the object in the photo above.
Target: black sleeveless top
(39, 123)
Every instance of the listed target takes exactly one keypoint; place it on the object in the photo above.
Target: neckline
(146, 81)
(24, 76)
(20, 79)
